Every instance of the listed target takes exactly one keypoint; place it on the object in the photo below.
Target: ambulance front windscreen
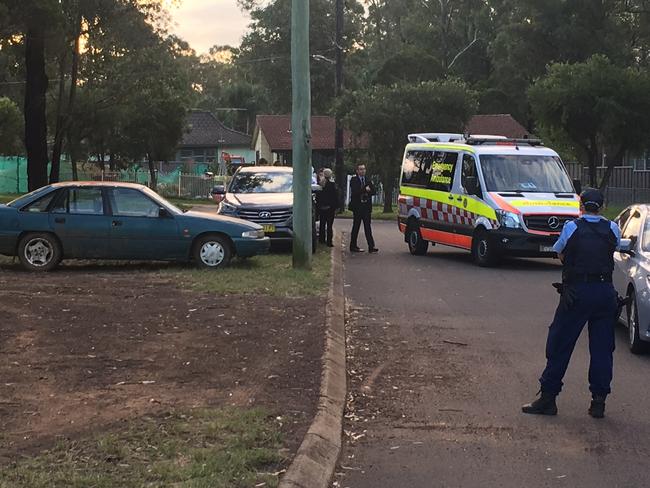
(525, 173)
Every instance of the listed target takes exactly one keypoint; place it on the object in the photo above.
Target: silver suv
(264, 195)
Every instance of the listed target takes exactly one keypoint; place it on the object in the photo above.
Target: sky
(204, 23)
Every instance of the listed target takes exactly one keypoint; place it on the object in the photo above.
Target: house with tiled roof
(206, 139)
(272, 135)
(497, 125)
(272, 139)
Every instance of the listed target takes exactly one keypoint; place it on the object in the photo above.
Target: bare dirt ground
(89, 346)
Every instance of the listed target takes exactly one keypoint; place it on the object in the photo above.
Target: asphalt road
(442, 354)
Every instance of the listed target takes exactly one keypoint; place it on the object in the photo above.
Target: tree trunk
(610, 169)
(35, 118)
(388, 198)
(72, 152)
(152, 173)
(60, 122)
(74, 75)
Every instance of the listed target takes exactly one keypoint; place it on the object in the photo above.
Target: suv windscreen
(522, 173)
(262, 183)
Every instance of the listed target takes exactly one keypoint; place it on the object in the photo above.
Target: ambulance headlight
(509, 220)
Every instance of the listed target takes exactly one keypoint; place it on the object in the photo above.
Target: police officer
(586, 248)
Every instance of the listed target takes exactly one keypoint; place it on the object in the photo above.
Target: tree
(597, 106)
(384, 116)
(11, 127)
(265, 54)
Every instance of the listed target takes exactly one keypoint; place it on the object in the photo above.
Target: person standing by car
(586, 248)
(326, 202)
(361, 192)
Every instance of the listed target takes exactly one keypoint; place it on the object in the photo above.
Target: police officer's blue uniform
(588, 296)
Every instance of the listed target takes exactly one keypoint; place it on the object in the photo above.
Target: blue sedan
(93, 220)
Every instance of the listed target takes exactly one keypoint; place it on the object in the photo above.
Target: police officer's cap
(592, 199)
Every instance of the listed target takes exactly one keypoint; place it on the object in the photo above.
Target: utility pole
(339, 168)
(301, 134)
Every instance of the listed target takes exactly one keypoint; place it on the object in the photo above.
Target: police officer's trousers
(596, 304)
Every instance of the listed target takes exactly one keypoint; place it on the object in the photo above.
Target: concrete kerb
(314, 465)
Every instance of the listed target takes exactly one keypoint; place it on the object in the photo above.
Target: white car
(632, 275)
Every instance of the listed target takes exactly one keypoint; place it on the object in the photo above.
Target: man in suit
(361, 192)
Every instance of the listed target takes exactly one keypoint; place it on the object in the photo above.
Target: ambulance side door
(463, 224)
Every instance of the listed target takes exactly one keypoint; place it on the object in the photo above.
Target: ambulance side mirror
(577, 184)
(471, 185)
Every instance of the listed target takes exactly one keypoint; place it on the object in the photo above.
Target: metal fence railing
(626, 184)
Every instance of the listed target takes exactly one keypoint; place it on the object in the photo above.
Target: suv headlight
(226, 208)
(253, 234)
(510, 220)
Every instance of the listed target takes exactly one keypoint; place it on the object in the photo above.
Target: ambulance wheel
(637, 346)
(483, 250)
(417, 245)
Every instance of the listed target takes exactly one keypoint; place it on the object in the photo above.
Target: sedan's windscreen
(521, 173)
(262, 183)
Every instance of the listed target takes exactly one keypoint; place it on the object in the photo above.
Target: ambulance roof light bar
(502, 141)
(436, 137)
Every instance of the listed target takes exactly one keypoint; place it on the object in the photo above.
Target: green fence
(13, 174)
(13, 178)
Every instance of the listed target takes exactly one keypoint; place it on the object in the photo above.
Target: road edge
(315, 462)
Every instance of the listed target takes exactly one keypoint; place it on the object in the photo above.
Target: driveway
(442, 354)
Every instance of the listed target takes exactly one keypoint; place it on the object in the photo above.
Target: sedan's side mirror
(163, 213)
(627, 246)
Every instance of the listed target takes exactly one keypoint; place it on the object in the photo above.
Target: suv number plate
(268, 229)
(545, 248)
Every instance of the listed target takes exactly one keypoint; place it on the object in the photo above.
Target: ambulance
(490, 195)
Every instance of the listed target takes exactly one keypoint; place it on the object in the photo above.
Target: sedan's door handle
(117, 223)
(59, 220)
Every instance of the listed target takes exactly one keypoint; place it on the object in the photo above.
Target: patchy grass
(377, 213)
(272, 274)
(613, 211)
(202, 448)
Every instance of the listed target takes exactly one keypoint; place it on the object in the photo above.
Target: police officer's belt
(587, 278)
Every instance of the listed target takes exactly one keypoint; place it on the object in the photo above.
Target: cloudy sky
(204, 23)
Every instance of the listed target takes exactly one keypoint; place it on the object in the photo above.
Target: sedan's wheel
(39, 252)
(417, 245)
(637, 346)
(212, 252)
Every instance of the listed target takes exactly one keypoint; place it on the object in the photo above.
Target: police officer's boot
(597, 408)
(544, 405)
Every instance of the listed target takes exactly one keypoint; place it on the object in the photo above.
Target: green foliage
(265, 54)
(11, 128)
(385, 115)
(595, 105)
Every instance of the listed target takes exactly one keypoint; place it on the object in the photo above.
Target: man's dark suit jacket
(359, 193)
